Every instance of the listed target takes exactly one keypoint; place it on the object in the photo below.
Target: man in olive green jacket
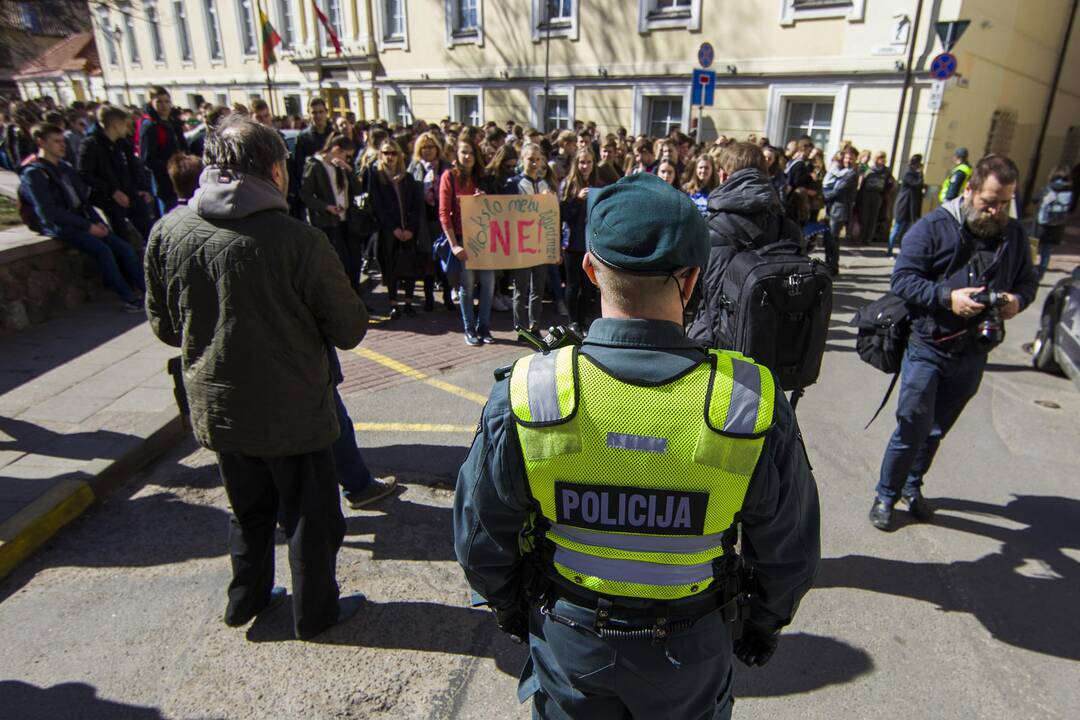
(252, 297)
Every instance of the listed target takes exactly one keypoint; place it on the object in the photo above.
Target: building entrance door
(338, 101)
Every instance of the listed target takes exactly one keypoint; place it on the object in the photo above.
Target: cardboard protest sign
(507, 232)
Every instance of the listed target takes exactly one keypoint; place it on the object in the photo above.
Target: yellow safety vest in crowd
(962, 167)
(638, 483)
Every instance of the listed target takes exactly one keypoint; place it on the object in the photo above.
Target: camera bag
(883, 330)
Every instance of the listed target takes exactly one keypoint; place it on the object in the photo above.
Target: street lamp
(119, 35)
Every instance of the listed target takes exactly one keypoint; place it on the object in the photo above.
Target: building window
(333, 13)
(247, 27)
(391, 19)
(467, 109)
(397, 109)
(110, 39)
(557, 113)
(182, 34)
(155, 32)
(661, 14)
(287, 29)
(129, 33)
(213, 29)
(195, 101)
(395, 19)
(222, 99)
(665, 114)
(464, 22)
(809, 117)
(555, 18)
(792, 10)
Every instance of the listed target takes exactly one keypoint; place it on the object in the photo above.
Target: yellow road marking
(415, 374)
(413, 427)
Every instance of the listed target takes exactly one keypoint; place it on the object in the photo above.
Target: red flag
(326, 25)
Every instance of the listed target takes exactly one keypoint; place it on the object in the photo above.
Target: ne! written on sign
(506, 232)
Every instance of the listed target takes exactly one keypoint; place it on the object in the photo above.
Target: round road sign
(705, 54)
(943, 66)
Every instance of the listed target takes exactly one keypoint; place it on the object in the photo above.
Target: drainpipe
(1029, 183)
(907, 84)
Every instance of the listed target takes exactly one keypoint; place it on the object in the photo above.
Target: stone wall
(36, 286)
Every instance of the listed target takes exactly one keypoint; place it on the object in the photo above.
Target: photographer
(964, 270)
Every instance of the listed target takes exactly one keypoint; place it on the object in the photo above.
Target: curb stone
(35, 524)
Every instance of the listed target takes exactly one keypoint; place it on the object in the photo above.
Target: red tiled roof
(77, 53)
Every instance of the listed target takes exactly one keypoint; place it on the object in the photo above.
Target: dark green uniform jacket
(779, 518)
(252, 297)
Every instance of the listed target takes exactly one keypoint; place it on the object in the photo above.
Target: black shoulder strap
(884, 400)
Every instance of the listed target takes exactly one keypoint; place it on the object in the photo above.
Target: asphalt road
(974, 615)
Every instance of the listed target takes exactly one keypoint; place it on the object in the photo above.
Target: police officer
(957, 179)
(599, 509)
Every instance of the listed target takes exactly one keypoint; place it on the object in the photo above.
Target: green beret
(645, 226)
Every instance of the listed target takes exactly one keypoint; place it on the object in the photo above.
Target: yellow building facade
(832, 69)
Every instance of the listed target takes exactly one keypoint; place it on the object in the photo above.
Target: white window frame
(253, 28)
(456, 37)
(212, 19)
(537, 112)
(642, 94)
(405, 96)
(157, 42)
(452, 95)
(183, 32)
(650, 19)
(781, 95)
(558, 30)
(134, 54)
(383, 41)
(286, 25)
(112, 49)
(789, 15)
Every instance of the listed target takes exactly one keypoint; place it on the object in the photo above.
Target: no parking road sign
(703, 87)
(943, 66)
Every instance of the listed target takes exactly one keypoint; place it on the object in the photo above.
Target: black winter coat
(107, 166)
(908, 206)
(744, 213)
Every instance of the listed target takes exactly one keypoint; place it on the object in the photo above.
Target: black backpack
(776, 308)
(883, 330)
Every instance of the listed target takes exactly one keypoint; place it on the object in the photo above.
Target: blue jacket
(935, 260)
(573, 212)
(43, 185)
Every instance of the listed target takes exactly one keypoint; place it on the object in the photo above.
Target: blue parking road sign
(943, 66)
(703, 87)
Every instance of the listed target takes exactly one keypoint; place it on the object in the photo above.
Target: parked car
(1057, 343)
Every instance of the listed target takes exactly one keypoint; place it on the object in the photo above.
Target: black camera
(991, 328)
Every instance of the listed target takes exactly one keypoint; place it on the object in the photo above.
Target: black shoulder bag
(883, 330)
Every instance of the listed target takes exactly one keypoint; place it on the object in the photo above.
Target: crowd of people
(388, 195)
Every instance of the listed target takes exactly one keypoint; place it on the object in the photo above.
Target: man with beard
(966, 246)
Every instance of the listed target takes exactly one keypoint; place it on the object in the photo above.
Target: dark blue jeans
(120, 267)
(352, 472)
(933, 392)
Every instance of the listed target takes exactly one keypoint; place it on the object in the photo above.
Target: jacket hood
(231, 195)
(746, 192)
(953, 208)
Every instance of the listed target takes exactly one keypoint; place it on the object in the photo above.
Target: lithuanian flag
(270, 38)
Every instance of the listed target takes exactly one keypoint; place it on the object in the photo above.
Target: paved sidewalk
(84, 401)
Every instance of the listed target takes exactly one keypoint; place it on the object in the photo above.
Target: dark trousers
(573, 674)
(121, 270)
(348, 251)
(137, 213)
(578, 287)
(933, 392)
(305, 487)
(832, 244)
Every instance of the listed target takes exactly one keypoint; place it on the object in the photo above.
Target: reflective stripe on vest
(638, 483)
